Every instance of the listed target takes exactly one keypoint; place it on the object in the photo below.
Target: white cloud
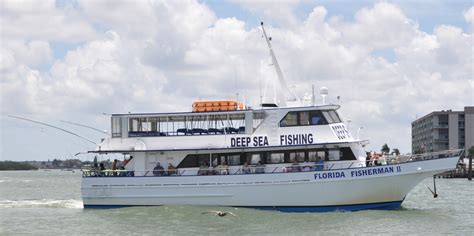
(32, 53)
(161, 55)
(43, 20)
(381, 26)
(469, 15)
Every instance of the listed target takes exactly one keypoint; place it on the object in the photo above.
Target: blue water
(48, 202)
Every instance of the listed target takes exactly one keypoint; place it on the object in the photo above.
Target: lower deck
(369, 187)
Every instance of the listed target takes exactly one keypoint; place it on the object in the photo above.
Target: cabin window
(291, 119)
(191, 124)
(233, 160)
(347, 154)
(316, 118)
(116, 127)
(334, 155)
(304, 118)
(145, 125)
(316, 156)
(194, 160)
(328, 117)
(278, 157)
(217, 159)
(334, 116)
(254, 158)
(299, 156)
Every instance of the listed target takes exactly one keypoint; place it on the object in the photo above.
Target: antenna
(260, 80)
(281, 79)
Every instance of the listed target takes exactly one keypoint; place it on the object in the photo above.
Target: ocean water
(49, 202)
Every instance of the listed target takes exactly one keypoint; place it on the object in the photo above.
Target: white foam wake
(11, 180)
(42, 203)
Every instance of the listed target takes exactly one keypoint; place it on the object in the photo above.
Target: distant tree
(57, 163)
(471, 151)
(14, 165)
(396, 151)
(385, 149)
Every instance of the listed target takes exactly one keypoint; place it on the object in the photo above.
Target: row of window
(185, 125)
(274, 157)
(304, 118)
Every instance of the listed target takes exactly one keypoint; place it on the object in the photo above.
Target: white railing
(285, 168)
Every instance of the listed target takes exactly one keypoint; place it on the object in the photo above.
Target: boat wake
(11, 180)
(42, 203)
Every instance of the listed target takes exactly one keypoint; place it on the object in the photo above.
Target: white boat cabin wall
(274, 136)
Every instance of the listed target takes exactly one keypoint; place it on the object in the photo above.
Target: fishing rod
(85, 126)
(52, 126)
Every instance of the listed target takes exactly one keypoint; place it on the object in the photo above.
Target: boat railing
(285, 168)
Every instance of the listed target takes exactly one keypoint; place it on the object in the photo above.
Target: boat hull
(380, 187)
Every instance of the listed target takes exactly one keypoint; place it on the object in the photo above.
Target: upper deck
(214, 123)
(226, 129)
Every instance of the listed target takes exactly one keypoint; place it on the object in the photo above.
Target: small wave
(43, 203)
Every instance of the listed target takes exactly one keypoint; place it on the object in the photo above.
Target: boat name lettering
(330, 175)
(296, 139)
(256, 141)
(375, 171)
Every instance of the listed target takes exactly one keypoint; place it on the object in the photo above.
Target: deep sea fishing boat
(287, 155)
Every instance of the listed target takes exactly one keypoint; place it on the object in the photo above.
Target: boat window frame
(344, 154)
(310, 115)
(116, 129)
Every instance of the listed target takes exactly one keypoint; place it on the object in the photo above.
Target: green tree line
(13, 165)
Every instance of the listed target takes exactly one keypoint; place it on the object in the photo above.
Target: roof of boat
(318, 107)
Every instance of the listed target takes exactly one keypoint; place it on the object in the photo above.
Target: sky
(80, 60)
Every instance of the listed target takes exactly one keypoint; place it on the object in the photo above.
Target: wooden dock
(459, 172)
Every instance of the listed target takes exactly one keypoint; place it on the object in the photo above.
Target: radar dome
(324, 91)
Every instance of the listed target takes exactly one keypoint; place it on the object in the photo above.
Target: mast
(290, 96)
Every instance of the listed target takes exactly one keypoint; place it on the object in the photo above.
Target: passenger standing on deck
(382, 160)
(114, 167)
(246, 168)
(306, 166)
(260, 168)
(172, 171)
(120, 168)
(367, 159)
(319, 165)
(295, 167)
(158, 170)
(223, 168)
(102, 169)
(204, 168)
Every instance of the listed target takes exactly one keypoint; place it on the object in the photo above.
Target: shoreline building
(442, 130)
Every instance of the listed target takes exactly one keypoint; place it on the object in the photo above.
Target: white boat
(285, 155)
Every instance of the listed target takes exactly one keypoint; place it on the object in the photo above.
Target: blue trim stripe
(355, 207)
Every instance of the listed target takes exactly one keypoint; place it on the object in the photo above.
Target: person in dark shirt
(260, 169)
(158, 170)
(295, 167)
(102, 169)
